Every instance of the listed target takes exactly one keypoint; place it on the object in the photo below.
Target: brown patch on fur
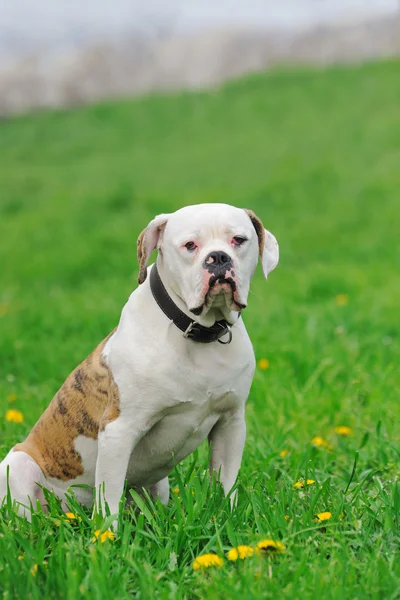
(142, 258)
(87, 401)
(149, 240)
(259, 227)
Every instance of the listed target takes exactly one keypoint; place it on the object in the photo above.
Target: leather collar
(191, 329)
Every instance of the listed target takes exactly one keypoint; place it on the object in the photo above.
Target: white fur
(175, 392)
(270, 255)
(19, 474)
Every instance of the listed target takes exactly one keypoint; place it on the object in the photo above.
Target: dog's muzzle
(219, 265)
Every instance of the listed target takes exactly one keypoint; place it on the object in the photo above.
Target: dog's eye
(190, 246)
(238, 240)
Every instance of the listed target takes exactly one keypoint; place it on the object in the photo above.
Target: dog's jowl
(176, 370)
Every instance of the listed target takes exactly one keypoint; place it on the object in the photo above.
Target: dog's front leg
(227, 438)
(115, 446)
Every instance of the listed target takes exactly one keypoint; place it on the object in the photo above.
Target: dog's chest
(191, 403)
(204, 384)
(189, 397)
(183, 388)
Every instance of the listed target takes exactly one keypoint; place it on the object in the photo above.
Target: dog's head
(209, 253)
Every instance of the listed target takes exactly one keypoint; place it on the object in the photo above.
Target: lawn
(316, 155)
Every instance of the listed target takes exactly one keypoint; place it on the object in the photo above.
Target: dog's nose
(217, 259)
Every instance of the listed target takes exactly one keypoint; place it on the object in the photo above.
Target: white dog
(177, 369)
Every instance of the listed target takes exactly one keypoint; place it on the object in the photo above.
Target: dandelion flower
(34, 570)
(319, 442)
(324, 516)
(240, 552)
(301, 483)
(263, 364)
(287, 518)
(342, 299)
(207, 560)
(70, 516)
(284, 453)
(106, 535)
(271, 546)
(343, 430)
(14, 416)
(175, 490)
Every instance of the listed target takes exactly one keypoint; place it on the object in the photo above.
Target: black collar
(191, 329)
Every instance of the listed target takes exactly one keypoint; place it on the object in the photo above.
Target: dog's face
(209, 253)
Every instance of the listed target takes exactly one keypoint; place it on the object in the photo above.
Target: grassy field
(316, 155)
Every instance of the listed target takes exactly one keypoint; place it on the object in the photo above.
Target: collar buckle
(189, 329)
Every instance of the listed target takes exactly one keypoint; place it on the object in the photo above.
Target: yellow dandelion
(106, 535)
(12, 397)
(271, 546)
(34, 570)
(343, 430)
(284, 453)
(319, 442)
(14, 416)
(240, 552)
(175, 490)
(207, 560)
(287, 518)
(263, 364)
(342, 299)
(70, 516)
(21, 556)
(324, 516)
(301, 483)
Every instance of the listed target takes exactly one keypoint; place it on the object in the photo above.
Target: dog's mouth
(219, 284)
(221, 290)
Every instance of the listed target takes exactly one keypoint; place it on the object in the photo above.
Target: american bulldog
(176, 370)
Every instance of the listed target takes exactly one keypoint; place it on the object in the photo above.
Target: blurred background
(67, 52)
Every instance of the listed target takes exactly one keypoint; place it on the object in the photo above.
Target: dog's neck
(213, 314)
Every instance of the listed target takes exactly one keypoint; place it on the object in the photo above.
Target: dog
(176, 370)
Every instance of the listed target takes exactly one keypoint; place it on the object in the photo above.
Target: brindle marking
(148, 240)
(259, 227)
(86, 402)
(142, 257)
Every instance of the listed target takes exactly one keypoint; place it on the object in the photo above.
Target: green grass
(316, 155)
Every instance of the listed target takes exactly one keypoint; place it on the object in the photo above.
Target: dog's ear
(269, 249)
(148, 241)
